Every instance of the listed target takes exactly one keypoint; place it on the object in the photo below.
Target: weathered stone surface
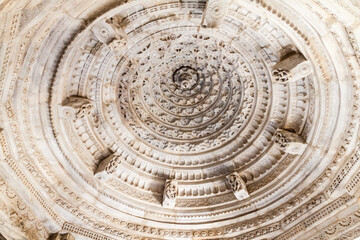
(154, 119)
(64, 236)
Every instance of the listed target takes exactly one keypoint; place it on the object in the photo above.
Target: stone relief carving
(17, 220)
(117, 23)
(107, 167)
(184, 134)
(78, 107)
(167, 108)
(289, 142)
(215, 11)
(103, 32)
(238, 186)
(281, 75)
(170, 193)
(293, 67)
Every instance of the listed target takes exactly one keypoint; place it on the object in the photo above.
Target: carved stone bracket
(170, 193)
(107, 167)
(238, 186)
(214, 12)
(76, 106)
(65, 236)
(291, 68)
(111, 33)
(289, 142)
(117, 23)
(103, 32)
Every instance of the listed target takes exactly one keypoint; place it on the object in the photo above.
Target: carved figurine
(238, 186)
(107, 167)
(293, 67)
(170, 193)
(289, 142)
(81, 107)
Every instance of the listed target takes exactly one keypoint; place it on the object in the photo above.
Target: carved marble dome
(168, 119)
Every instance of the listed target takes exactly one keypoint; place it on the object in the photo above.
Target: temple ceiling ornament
(191, 119)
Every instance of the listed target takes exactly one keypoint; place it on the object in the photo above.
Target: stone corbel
(111, 33)
(118, 24)
(65, 236)
(214, 13)
(107, 167)
(238, 186)
(291, 68)
(170, 193)
(77, 107)
(103, 32)
(289, 142)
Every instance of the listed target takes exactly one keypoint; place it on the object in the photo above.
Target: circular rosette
(189, 100)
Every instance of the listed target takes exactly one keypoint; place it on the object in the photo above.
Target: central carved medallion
(185, 78)
(186, 91)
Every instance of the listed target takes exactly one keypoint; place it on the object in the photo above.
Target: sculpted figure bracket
(238, 186)
(117, 23)
(103, 32)
(291, 68)
(78, 107)
(170, 193)
(289, 142)
(107, 167)
(111, 33)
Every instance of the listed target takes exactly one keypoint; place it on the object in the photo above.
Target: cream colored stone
(152, 119)
(238, 186)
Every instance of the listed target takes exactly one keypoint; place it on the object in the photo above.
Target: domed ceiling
(191, 119)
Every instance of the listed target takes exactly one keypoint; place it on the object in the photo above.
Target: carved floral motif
(181, 91)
